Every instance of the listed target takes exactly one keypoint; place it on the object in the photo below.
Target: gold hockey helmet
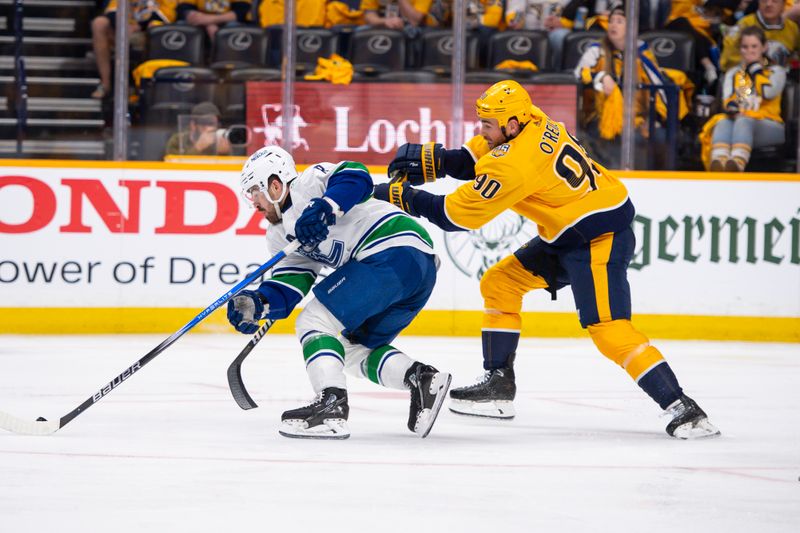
(504, 100)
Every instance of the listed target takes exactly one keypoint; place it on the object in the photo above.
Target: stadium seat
(775, 158)
(231, 95)
(175, 90)
(311, 44)
(672, 49)
(519, 45)
(437, 52)
(176, 41)
(374, 51)
(575, 45)
(239, 47)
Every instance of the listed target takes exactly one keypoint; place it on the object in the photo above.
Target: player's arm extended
(350, 183)
(284, 290)
(423, 163)
(469, 207)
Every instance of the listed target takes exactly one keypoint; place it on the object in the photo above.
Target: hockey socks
(661, 385)
(499, 347)
(324, 356)
(386, 366)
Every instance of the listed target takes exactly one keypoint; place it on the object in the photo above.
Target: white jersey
(368, 228)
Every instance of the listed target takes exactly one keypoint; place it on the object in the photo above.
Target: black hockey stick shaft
(44, 427)
(235, 382)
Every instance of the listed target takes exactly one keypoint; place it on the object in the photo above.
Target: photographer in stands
(203, 135)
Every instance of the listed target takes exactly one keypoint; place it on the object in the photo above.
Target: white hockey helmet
(261, 166)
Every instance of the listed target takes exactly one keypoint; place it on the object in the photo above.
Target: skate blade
(439, 385)
(699, 429)
(332, 429)
(498, 409)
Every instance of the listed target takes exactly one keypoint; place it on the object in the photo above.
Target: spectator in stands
(142, 14)
(701, 19)
(202, 136)
(383, 15)
(338, 12)
(783, 36)
(752, 102)
(308, 13)
(540, 15)
(408, 15)
(793, 12)
(312, 13)
(212, 14)
(579, 15)
(601, 67)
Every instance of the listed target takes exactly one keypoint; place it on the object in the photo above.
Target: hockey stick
(235, 383)
(41, 426)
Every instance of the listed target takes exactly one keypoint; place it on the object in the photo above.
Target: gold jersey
(544, 175)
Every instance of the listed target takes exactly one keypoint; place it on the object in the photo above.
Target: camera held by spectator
(200, 134)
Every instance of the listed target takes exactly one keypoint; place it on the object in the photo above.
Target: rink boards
(132, 247)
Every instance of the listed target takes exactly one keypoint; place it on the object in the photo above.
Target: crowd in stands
(713, 31)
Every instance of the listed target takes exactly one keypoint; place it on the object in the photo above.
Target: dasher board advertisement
(367, 122)
(153, 237)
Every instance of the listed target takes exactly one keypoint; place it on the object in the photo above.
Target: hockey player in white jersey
(384, 272)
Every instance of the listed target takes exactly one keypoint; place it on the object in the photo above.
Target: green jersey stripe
(395, 225)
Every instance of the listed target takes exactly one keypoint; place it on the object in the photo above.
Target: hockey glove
(245, 309)
(417, 163)
(399, 194)
(311, 227)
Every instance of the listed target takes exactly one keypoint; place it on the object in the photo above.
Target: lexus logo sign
(379, 44)
(663, 46)
(240, 41)
(173, 40)
(519, 45)
(445, 46)
(310, 44)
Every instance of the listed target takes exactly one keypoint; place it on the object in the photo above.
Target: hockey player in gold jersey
(526, 162)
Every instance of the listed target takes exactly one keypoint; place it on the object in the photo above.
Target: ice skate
(491, 397)
(324, 418)
(688, 420)
(428, 389)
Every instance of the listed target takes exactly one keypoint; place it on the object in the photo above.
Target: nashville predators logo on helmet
(503, 101)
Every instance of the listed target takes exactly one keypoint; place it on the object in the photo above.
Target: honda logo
(663, 46)
(445, 46)
(519, 45)
(184, 86)
(379, 44)
(240, 41)
(173, 40)
(309, 44)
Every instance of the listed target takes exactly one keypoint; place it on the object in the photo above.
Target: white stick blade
(25, 427)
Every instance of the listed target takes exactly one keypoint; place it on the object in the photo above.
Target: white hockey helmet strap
(261, 166)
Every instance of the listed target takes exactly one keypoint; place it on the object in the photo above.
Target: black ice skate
(428, 389)
(688, 420)
(491, 397)
(324, 418)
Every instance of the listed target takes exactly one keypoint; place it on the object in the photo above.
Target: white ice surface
(169, 450)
